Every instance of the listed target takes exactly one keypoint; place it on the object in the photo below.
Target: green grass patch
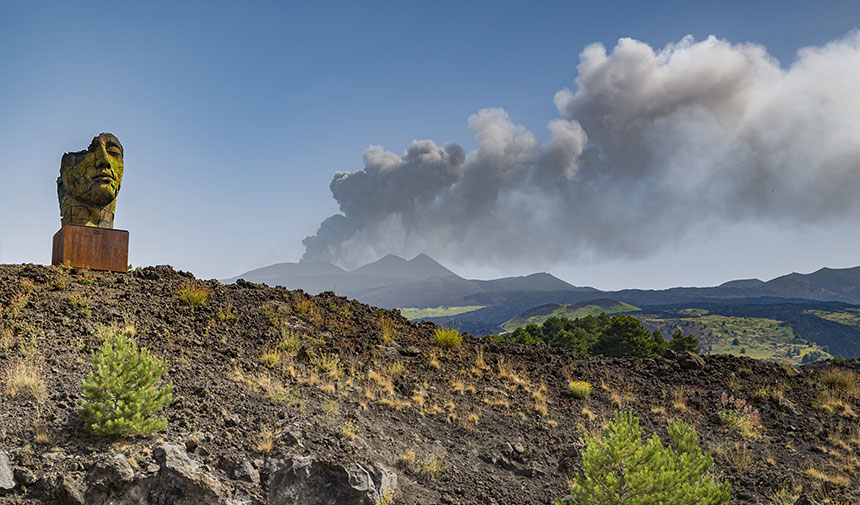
(759, 338)
(417, 313)
(579, 389)
(848, 317)
(447, 338)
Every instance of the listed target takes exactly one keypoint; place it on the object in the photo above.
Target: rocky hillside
(283, 398)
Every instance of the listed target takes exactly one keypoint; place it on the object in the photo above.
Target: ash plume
(650, 146)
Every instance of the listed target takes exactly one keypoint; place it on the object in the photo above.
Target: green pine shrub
(122, 390)
(618, 468)
(618, 335)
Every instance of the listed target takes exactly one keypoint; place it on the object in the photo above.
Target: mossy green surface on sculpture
(90, 181)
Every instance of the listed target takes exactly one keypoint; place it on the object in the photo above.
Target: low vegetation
(277, 368)
(24, 375)
(447, 338)
(122, 391)
(618, 468)
(619, 335)
(756, 337)
(737, 414)
(579, 389)
(418, 313)
(193, 294)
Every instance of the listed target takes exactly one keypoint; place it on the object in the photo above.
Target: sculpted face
(90, 181)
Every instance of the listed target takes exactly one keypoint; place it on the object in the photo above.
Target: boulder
(245, 471)
(7, 482)
(181, 475)
(690, 361)
(309, 482)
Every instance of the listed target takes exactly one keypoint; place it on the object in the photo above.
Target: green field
(414, 313)
(848, 317)
(571, 311)
(759, 338)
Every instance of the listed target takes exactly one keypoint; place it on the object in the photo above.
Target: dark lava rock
(804, 499)
(311, 482)
(691, 361)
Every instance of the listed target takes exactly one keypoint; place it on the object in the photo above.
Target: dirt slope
(346, 390)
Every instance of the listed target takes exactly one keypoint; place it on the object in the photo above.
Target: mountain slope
(397, 268)
(316, 277)
(284, 398)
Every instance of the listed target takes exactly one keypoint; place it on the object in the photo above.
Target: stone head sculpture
(89, 183)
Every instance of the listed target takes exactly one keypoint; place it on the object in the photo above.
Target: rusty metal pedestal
(90, 247)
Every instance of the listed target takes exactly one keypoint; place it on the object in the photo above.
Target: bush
(619, 469)
(739, 415)
(447, 338)
(122, 390)
(579, 389)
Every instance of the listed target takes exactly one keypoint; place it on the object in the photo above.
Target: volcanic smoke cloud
(652, 145)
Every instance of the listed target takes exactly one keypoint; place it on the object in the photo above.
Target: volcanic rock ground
(375, 415)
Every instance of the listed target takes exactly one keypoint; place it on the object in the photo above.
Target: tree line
(620, 335)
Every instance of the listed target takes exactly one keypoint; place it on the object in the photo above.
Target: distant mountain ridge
(393, 282)
(422, 282)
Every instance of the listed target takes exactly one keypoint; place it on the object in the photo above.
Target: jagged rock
(25, 476)
(242, 498)
(70, 491)
(310, 482)
(690, 360)
(410, 350)
(804, 499)
(108, 478)
(180, 474)
(245, 471)
(7, 481)
(52, 458)
(194, 440)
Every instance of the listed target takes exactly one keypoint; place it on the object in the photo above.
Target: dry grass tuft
(328, 363)
(384, 383)
(587, 412)
(840, 382)
(24, 375)
(266, 439)
(348, 431)
(679, 399)
(433, 362)
(386, 326)
(508, 372)
(837, 479)
(270, 358)
(457, 386)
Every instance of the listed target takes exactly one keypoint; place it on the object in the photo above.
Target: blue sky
(235, 116)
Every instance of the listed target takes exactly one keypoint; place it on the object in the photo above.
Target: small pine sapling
(122, 390)
(619, 469)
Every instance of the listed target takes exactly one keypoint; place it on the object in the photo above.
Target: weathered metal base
(90, 247)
